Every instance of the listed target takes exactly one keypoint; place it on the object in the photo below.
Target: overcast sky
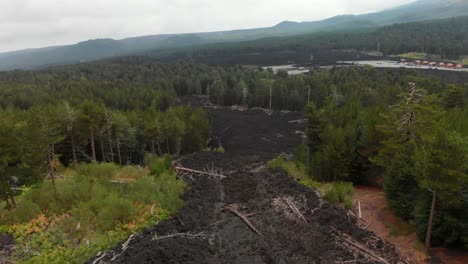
(39, 23)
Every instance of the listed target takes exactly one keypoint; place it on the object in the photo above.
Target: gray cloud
(38, 23)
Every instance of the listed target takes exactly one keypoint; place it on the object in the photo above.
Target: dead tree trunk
(271, 96)
(153, 149)
(73, 141)
(52, 172)
(111, 149)
(118, 150)
(179, 145)
(167, 145)
(93, 147)
(431, 221)
(109, 132)
(159, 149)
(13, 201)
(103, 155)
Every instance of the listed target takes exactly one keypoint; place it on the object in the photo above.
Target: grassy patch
(298, 172)
(96, 206)
(415, 55)
(463, 60)
(338, 193)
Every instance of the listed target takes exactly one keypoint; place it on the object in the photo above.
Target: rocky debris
(7, 246)
(254, 215)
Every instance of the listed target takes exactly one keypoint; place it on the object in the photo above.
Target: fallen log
(253, 214)
(359, 209)
(351, 213)
(124, 247)
(187, 235)
(266, 139)
(180, 221)
(368, 225)
(243, 218)
(258, 169)
(182, 169)
(294, 209)
(365, 251)
(99, 258)
(299, 121)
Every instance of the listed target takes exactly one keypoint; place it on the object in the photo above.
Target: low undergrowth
(95, 207)
(338, 193)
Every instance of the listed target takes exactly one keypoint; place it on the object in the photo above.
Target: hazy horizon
(28, 24)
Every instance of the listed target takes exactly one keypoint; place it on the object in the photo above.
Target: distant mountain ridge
(103, 48)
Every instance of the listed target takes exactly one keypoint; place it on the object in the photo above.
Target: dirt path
(384, 223)
(254, 215)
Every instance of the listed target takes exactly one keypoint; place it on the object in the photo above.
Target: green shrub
(43, 196)
(300, 155)
(24, 212)
(131, 173)
(112, 211)
(99, 204)
(160, 164)
(297, 171)
(310, 183)
(339, 193)
(97, 171)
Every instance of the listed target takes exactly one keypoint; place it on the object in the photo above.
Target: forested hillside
(393, 39)
(446, 38)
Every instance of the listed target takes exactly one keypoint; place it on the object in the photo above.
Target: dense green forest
(78, 171)
(55, 124)
(446, 38)
(414, 134)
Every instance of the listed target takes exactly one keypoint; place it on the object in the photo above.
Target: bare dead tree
(109, 133)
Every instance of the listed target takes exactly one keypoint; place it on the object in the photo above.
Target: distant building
(441, 64)
(418, 62)
(433, 63)
(425, 62)
(450, 65)
(459, 66)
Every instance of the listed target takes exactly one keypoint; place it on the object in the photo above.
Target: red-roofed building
(459, 66)
(450, 65)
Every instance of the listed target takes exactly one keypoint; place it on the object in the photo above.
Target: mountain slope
(424, 37)
(420, 10)
(102, 48)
